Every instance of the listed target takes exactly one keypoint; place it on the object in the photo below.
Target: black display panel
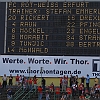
(2, 27)
(53, 28)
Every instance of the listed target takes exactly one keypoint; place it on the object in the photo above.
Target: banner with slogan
(52, 66)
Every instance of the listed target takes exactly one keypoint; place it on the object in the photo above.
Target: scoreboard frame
(53, 50)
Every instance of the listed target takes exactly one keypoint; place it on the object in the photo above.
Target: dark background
(2, 26)
(55, 27)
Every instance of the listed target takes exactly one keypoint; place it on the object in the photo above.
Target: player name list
(42, 27)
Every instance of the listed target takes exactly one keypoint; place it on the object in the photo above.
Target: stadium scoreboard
(50, 28)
